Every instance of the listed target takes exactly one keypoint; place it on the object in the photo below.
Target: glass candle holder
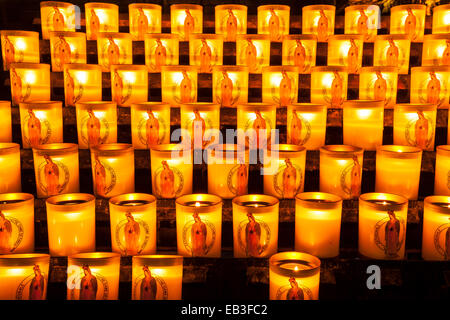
(253, 51)
(382, 226)
(294, 276)
(200, 123)
(430, 85)
(96, 123)
(24, 276)
(346, 50)
(398, 170)
(230, 85)
(441, 22)
(280, 85)
(71, 224)
(408, 19)
(205, 51)
(179, 84)
(231, 20)
(5, 121)
(19, 46)
(363, 20)
(329, 86)
(436, 228)
(29, 82)
(129, 84)
(172, 170)
(82, 82)
(442, 171)
(436, 50)
(100, 17)
(150, 124)
(112, 169)
(157, 277)
(41, 123)
(255, 226)
(299, 50)
(57, 16)
(114, 48)
(17, 220)
(67, 47)
(199, 225)
(274, 21)
(341, 170)
(93, 276)
(415, 125)
(392, 51)
(318, 20)
(144, 18)
(379, 83)
(318, 223)
(186, 19)
(133, 224)
(284, 171)
(10, 174)
(363, 123)
(161, 50)
(228, 166)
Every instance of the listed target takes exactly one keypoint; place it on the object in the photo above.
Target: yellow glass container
(200, 123)
(186, 19)
(442, 171)
(93, 276)
(280, 85)
(144, 18)
(363, 20)
(19, 46)
(67, 47)
(363, 123)
(114, 48)
(430, 85)
(230, 85)
(24, 276)
(299, 50)
(346, 50)
(408, 19)
(41, 123)
(157, 277)
(179, 84)
(82, 82)
(5, 121)
(29, 82)
(57, 16)
(100, 17)
(392, 51)
(441, 19)
(398, 170)
(382, 226)
(274, 21)
(71, 224)
(436, 228)
(205, 51)
(436, 49)
(318, 20)
(329, 85)
(253, 51)
(379, 83)
(161, 50)
(230, 20)
(133, 224)
(129, 84)
(10, 173)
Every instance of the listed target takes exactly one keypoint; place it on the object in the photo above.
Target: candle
(19, 46)
(186, 19)
(255, 226)
(101, 17)
(93, 276)
(441, 22)
(56, 169)
(157, 277)
(112, 169)
(280, 85)
(17, 221)
(398, 170)
(5, 121)
(341, 170)
(363, 123)
(129, 84)
(274, 21)
(393, 51)
(71, 224)
(442, 171)
(58, 16)
(230, 85)
(415, 125)
(41, 123)
(294, 276)
(200, 123)
(329, 85)
(179, 84)
(382, 226)
(24, 276)
(363, 20)
(436, 50)
(114, 48)
(284, 170)
(161, 50)
(82, 82)
(346, 50)
(10, 174)
(430, 85)
(205, 51)
(318, 20)
(299, 50)
(408, 19)
(436, 228)
(253, 51)
(199, 225)
(133, 224)
(230, 20)
(67, 47)
(29, 82)
(378, 83)
(96, 123)
(144, 18)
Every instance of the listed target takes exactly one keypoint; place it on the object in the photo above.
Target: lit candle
(82, 82)
(114, 48)
(408, 19)
(398, 170)
(274, 21)
(442, 171)
(363, 20)
(299, 50)
(341, 170)
(205, 51)
(441, 19)
(93, 276)
(144, 18)
(199, 225)
(231, 20)
(255, 226)
(186, 19)
(101, 17)
(430, 85)
(29, 82)
(112, 169)
(200, 123)
(67, 47)
(329, 85)
(179, 84)
(379, 83)
(133, 224)
(318, 20)
(280, 85)
(19, 46)
(436, 49)
(253, 51)
(24, 276)
(129, 84)
(161, 50)
(294, 276)
(157, 277)
(5, 121)
(10, 174)
(436, 228)
(382, 226)
(346, 50)
(57, 16)
(230, 85)
(393, 51)
(71, 224)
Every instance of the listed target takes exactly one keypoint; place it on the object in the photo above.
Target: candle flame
(197, 204)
